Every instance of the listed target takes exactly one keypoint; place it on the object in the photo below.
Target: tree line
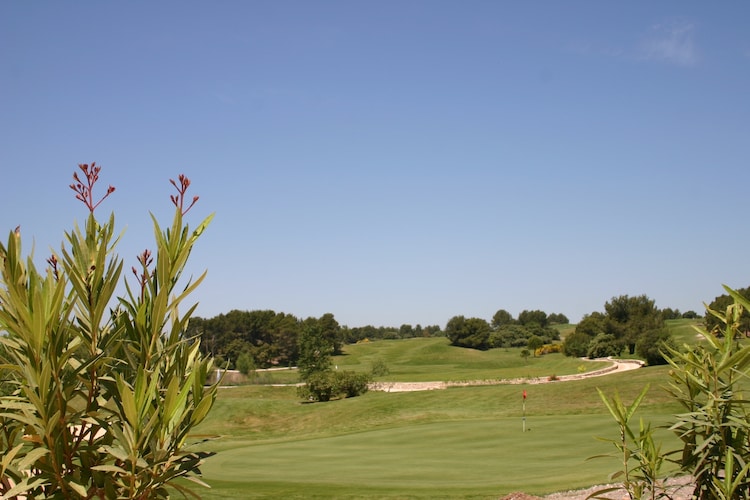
(265, 338)
(270, 339)
(632, 324)
(532, 328)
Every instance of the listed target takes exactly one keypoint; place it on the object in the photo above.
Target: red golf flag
(524, 394)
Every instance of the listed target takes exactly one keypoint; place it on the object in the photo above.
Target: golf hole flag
(524, 394)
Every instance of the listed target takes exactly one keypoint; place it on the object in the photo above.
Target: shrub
(652, 345)
(379, 368)
(576, 344)
(245, 363)
(707, 381)
(106, 387)
(325, 385)
(320, 386)
(604, 345)
(351, 384)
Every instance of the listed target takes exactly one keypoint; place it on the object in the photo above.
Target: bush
(320, 386)
(652, 345)
(245, 363)
(604, 345)
(576, 344)
(707, 381)
(379, 368)
(351, 384)
(107, 388)
(328, 384)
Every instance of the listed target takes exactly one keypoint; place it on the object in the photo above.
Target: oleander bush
(103, 384)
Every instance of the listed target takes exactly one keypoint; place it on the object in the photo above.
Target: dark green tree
(502, 318)
(653, 345)
(604, 345)
(557, 319)
(315, 350)
(592, 324)
(576, 344)
(472, 332)
(536, 317)
(630, 317)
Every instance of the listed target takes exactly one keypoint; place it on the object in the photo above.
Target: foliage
(471, 332)
(604, 345)
(652, 345)
(502, 318)
(352, 384)
(379, 368)
(106, 387)
(715, 324)
(642, 479)
(329, 384)
(592, 324)
(632, 316)
(516, 335)
(630, 321)
(535, 317)
(315, 350)
(576, 344)
(269, 338)
(245, 363)
(557, 319)
(535, 343)
(714, 427)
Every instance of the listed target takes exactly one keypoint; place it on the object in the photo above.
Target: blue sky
(395, 162)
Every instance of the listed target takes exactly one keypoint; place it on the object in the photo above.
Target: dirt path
(618, 365)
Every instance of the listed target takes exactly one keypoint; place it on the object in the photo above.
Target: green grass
(459, 443)
(683, 330)
(419, 360)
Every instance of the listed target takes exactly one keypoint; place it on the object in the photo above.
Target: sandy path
(618, 365)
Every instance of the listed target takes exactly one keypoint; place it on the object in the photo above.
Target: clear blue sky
(395, 162)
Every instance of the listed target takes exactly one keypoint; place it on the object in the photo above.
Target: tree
(558, 319)
(525, 354)
(406, 331)
(315, 349)
(604, 345)
(632, 316)
(576, 344)
(502, 318)
(652, 346)
(471, 332)
(535, 317)
(534, 343)
(592, 324)
(331, 331)
(107, 388)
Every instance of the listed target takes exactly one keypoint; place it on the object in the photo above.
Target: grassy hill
(455, 443)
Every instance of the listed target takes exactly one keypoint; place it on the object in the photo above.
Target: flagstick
(524, 414)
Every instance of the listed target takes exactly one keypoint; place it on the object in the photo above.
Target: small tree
(106, 388)
(535, 342)
(314, 350)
